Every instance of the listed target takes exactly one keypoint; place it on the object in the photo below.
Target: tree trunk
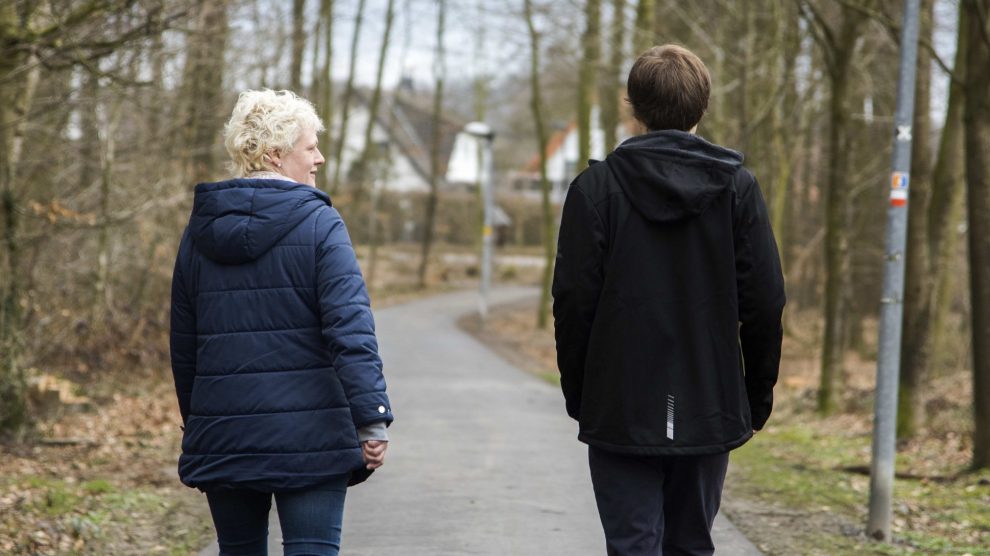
(608, 92)
(745, 60)
(315, 82)
(157, 104)
(977, 139)
(298, 44)
(784, 148)
(918, 283)
(836, 217)
(946, 208)
(89, 154)
(346, 102)
(586, 79)
(366, 167)
(325, 99)
(16, 96)
(101, 297)
(646, 15)
(13, 407)
(549, 222)
(429, 222)
(481, 93)
(203, 84)
(369, 152)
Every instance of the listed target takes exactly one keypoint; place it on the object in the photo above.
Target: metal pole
(484, 132)
(891, 304)
(487, 240)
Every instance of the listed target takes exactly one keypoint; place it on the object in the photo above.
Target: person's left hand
(373, 452)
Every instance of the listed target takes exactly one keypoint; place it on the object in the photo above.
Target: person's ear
(273, 158)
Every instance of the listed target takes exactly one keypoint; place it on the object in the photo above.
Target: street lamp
(483, 131)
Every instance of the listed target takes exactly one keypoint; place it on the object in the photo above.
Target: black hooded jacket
(668, 296)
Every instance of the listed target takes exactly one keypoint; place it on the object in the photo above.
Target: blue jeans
(311, 520)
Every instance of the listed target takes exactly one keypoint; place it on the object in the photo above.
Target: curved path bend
(483, 459)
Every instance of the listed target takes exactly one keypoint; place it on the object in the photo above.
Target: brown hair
(668, 88)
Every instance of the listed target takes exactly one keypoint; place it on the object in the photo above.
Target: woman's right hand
(373, 452)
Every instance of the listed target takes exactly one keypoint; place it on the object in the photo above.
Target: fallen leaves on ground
(107, 484)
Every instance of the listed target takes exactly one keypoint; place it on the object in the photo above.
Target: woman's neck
(265, 175)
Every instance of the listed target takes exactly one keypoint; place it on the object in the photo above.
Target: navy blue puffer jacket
(272, 340)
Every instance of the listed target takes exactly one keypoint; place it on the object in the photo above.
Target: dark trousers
(653, 505)
(311, 519)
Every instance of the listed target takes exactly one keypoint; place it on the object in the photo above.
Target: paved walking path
(483, 459)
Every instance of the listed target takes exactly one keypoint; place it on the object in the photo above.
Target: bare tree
(345, 109)
(838, 43)
(298, 44)
(368, 153)
(591, 47)
(203, 87)
(549, 222)
(608, 91)
(19, 74)
(783, 124)
(917, 281)
(36, 38)
(946, 210)
(646, 15)
(325, 98)
(429, 221)
(977, 140)
(921, 271)
(371, 154)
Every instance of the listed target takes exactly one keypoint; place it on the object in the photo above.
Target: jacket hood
(672, 175)
(239, 220)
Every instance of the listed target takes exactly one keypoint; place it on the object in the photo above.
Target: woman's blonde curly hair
(265, 121)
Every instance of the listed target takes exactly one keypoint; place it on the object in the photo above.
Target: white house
(562, 161)
(403, 132)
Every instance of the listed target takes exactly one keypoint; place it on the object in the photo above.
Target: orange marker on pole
(899, 189)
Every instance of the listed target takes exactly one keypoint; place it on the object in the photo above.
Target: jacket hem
(281, 484)
(640, 450)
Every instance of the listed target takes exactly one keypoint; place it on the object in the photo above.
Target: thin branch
(698, 30)
(981, 15)
(894, 30)
(821, 33)
(819, 20)
(77, 17)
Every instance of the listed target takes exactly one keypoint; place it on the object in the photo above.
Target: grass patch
(815, 473)
(98, 486)
(87, 517)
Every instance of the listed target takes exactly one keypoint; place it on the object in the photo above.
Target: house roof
(627, 128)
(408, 121)
(554, 144)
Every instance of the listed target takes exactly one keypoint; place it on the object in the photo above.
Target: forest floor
(97, 476)
(801, 486)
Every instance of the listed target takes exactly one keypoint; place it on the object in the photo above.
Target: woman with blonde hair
(273, 344)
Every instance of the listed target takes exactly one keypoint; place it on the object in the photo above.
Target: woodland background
(111, 110)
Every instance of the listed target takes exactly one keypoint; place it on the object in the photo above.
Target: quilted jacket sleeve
(348, 325)
(760, 285)
(182, 333)
(577, 284)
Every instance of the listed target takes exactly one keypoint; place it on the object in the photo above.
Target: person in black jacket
(668, 297)
(273, 346)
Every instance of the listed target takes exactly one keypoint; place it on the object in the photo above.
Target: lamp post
(483, 131)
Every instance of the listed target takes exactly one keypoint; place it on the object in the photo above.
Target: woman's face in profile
(302, 162)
